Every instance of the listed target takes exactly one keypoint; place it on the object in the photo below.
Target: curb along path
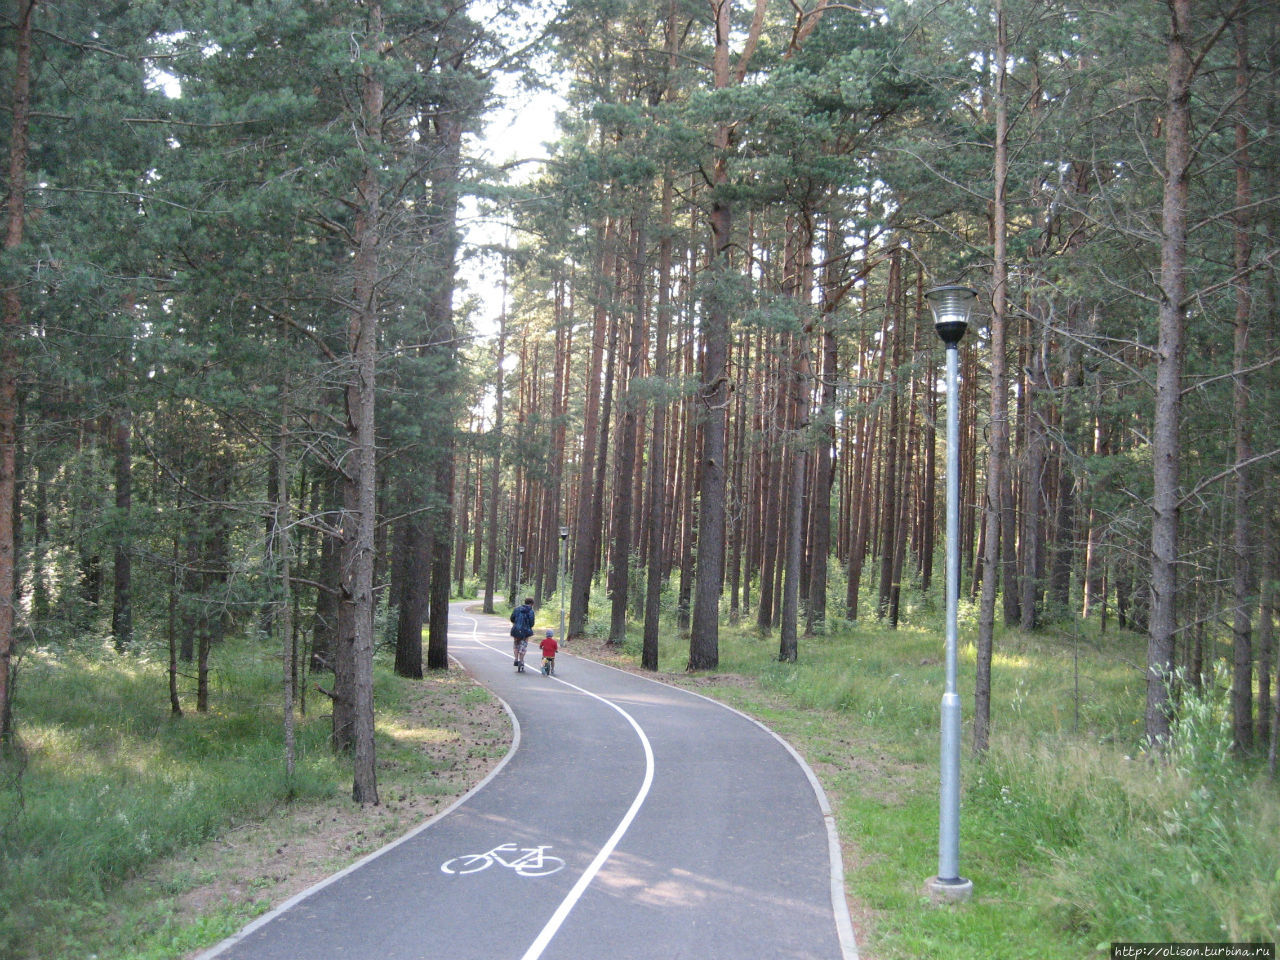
(631, 820)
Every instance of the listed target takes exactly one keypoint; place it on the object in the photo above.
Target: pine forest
(291, 354)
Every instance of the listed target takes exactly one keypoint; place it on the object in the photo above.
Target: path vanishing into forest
(631, 820)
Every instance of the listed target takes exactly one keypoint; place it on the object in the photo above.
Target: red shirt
(549, 646)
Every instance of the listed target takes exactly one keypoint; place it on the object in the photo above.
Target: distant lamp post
(951, 306)
(564, 539)
(519, 573)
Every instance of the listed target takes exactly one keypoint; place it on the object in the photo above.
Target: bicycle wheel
(538, 866)
(467, 863)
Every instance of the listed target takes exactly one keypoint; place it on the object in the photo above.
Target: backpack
(523, 620)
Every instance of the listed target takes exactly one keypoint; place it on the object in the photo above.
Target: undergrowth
(1074, 834)
(104, 786)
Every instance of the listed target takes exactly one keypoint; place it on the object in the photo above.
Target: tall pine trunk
(998, 459)
(355, 642)
(495, 471)
(10, 331)
(584, 557)
(658, 508)
(442, 256)
(630, 410)
(282, 520)
(1165, 436)
(704, 638)
(793, 528)
(1242, 579)
(820, 523)
(410, 599)
(122, 594)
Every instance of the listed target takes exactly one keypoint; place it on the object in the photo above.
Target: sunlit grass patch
(415, 735)
(110, 781)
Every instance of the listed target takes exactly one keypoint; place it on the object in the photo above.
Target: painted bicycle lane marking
(532, 862)
(571, 899)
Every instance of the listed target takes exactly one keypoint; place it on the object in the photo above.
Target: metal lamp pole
(951, 305)
(564, 539)
(519, 573)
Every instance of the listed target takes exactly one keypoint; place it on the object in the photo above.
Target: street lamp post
(951, 305)
(519, 573)
(564, 539)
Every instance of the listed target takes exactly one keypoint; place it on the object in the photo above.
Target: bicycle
(534, 861)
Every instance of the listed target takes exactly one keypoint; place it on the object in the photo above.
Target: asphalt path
(631, 820)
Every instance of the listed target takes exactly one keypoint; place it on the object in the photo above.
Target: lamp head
(951, 305)
(564, 533)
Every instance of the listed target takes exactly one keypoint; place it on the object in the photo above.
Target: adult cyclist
(521, 630)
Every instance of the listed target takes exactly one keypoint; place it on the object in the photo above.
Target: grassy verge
(130, 834)
(1072, 837)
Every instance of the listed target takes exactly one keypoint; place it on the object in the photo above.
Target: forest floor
(261, 863)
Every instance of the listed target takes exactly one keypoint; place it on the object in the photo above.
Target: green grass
(107, 785)
(1072, 835)
(106, 782)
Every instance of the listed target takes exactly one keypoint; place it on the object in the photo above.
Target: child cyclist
(549, 648)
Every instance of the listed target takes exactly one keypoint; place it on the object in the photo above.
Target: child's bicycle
(522, 647)
(548, 666)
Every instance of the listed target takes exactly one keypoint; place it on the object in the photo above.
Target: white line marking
(224, 945)
(839, 903)
(571, 899)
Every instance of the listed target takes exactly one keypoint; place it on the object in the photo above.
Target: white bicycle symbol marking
(533, 861)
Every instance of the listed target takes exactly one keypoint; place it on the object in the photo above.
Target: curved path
(631, 821)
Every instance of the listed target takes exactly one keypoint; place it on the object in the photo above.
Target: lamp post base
(958, 890)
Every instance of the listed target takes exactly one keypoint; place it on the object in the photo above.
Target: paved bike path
(685, 829)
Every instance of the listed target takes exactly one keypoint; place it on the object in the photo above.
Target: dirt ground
(261, 863)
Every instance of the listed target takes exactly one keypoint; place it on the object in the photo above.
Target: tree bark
(284, 544)
(998, 459)
(889, 500)
(443, 238)
(658, 509)
(1242, 579)
(1035, 493)
(441, 545)
(704, 640)
(824, 469)
(10, 333)
(788, 649)
(122, 593)
(1165, 437)
(584, 557)
(629, 407)
(359, 522)
(410, 599)
(1268, 706)
(495, 471)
